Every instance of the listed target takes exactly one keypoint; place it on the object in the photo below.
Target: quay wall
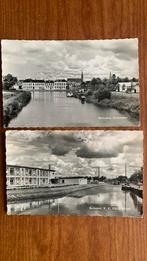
(42, 193)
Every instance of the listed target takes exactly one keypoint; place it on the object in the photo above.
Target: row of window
(27, 172)
(27, 181)
(47, 87)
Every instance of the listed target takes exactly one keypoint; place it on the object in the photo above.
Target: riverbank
(14, 195)
(14, 104)
(124, 104)
(137, 191)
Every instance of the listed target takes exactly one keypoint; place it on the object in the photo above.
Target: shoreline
(26, 194)
(13, 105)
(124, 104)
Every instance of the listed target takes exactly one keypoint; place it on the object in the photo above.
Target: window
(123, 87)
(11, 181)
(11, 171)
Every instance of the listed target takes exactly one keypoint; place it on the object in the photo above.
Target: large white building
(60, 85)
(42, 85)
(30, 177)
(21, 176)
(37, 85)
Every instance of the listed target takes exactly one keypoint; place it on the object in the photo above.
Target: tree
(102, 93)
(137, 176)
(8, 81)
(113, 79)
(93, 83)
(126, 79)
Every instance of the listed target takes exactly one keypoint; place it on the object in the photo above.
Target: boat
(69, 94)
(82, 98)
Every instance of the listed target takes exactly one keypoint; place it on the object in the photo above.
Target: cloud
(53, 59)
(86, 152)
(76, 152)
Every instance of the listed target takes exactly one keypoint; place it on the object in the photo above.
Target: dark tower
(82, 77)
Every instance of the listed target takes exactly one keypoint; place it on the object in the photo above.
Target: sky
(77, 152)
(63, 59)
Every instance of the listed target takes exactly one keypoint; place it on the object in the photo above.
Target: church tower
(110, 76)
(82, 77)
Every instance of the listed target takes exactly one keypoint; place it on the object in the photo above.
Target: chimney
(49, 166)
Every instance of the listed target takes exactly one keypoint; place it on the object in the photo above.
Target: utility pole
(125, 169)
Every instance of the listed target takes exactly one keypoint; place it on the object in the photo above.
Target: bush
(102, 93)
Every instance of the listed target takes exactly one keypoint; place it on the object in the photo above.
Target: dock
(138, 191)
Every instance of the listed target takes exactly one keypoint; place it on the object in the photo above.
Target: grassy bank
(13, 104)
(122, 103)
(14, 195)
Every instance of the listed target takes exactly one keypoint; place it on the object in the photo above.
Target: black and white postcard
(96, 173)
(81, 83)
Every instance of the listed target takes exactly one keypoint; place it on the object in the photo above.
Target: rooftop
(27, 167)
(74, 79)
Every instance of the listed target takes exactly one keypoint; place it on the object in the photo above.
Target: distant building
(60, 85)
(132, 87)
(76, 180)
(36, 85)
(75, 82)
(21, 176)
(49, 85)
(42, 85)
(29, 177)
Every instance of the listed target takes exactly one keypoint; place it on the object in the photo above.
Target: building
(49, 85)
(30, 177)
(33, 85)
(128, 87)
(42, 85)
(75, 82)
(22, 176)
(73, 180)
(60, 85)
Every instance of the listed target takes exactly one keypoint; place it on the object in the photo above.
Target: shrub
(102, 93)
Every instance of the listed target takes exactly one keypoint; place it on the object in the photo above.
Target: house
(60, 85)
(49, 85)
(73, 83)
(128, 87)
(73, 180)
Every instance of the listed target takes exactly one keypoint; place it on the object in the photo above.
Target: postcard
(80, 83)
(93, 173)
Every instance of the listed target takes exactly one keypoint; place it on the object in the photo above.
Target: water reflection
(50, 109)
(101, 200)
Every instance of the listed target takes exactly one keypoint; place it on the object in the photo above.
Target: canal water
(54, 109)
(101, 200)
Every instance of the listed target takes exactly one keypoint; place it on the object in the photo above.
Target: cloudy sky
(76, 152)
(63, 59)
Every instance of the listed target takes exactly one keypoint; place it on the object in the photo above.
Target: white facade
(30, 86)
(49, 86)
(73, 181)
(29, 177)
(20, 176)
(128, 87)
(60, 85)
